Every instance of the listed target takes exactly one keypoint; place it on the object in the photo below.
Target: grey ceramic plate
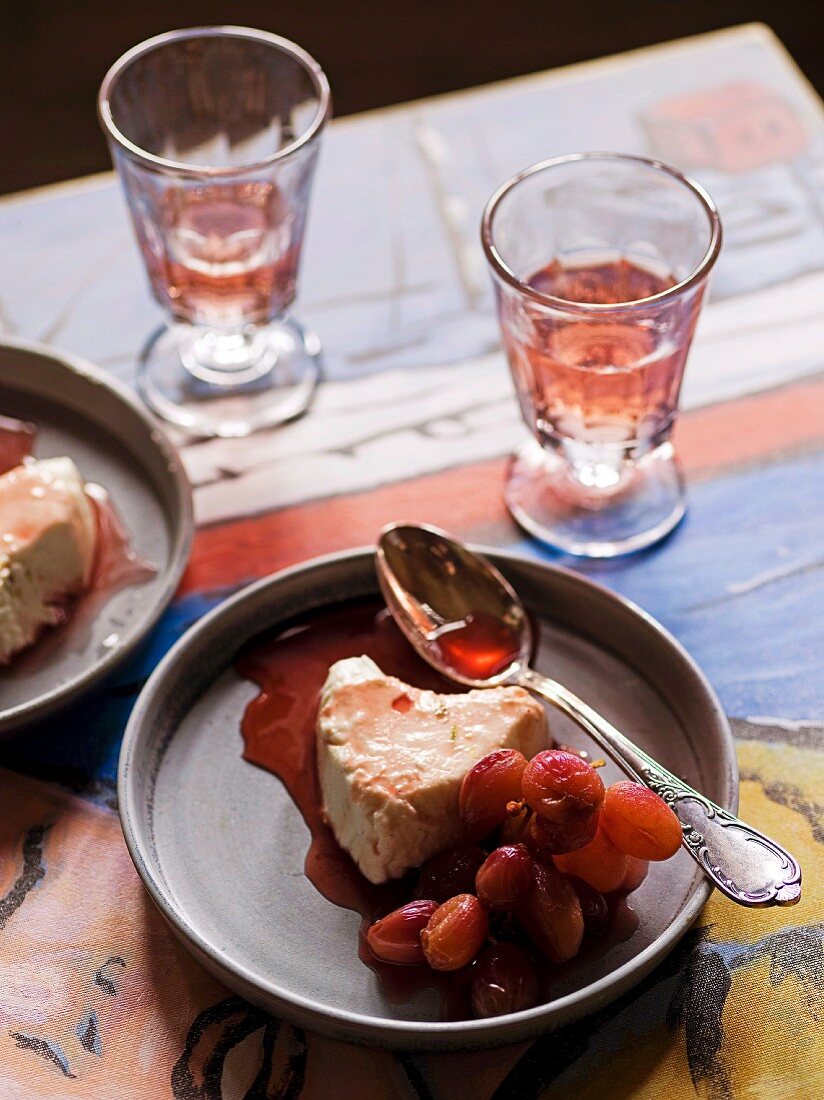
(80, 411)
(220, 845)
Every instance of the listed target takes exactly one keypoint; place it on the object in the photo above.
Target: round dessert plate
(221, 846)
(79, 410)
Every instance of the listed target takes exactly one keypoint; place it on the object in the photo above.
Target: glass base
(547, 500)
(226, 385)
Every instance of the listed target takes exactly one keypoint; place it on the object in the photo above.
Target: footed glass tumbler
(215, 134)
(599, 263)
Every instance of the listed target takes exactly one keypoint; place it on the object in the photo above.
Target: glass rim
(315, 72)
(504, 272)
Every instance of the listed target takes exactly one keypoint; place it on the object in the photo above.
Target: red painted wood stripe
(468, 501)
(750, 429)
(460, 499)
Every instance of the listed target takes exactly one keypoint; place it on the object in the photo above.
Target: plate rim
(182, 535)
(356, 1027)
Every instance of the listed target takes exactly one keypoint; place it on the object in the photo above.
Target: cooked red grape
(450, 873)
(562, 788)
(551, 915)
(594, 906)
(503, 980)
(396, 938)
(639, 822)
(546, 838)
(599, 863)
(488, 788)
(454, 933)
(504, 878)
(636, 873)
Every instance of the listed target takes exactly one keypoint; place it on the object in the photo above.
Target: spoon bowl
(440, 592)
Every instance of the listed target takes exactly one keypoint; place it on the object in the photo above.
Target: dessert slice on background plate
(48, 539)
(391, 759)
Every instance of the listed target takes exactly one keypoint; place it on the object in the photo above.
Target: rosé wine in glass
(607, 381)
(230, 256)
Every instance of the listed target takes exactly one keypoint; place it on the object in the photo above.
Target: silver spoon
(434, 586)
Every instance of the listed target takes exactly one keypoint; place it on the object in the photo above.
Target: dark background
(53, 53)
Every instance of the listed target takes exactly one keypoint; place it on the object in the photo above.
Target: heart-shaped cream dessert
(391, 759)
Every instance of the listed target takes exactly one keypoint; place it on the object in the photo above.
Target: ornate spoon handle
(744, 864)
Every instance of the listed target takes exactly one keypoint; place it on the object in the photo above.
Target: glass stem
(227, 357)
(597, 467)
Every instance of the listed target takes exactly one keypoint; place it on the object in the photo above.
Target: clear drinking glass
(215, 133)
(599, 262)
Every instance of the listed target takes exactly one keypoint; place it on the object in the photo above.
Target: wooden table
(414, 421)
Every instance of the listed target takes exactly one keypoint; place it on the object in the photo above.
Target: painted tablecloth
(414, 421)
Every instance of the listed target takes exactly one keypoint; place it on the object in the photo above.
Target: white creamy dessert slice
(391, 759)
(48, 535)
